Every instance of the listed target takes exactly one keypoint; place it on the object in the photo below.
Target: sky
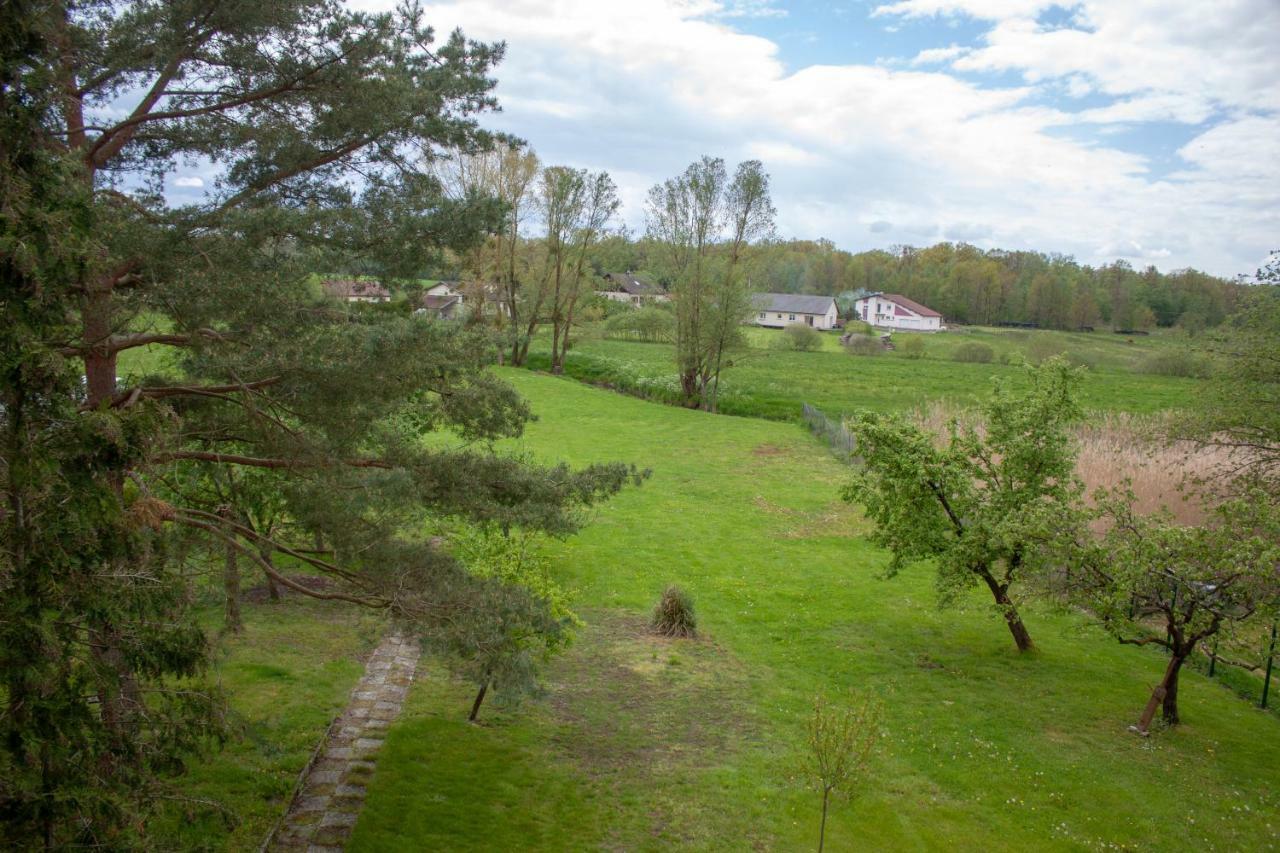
(1146, 130)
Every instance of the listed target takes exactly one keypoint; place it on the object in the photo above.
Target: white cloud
(188, 182)
(938, 55)
(985, 9)
(869, 156)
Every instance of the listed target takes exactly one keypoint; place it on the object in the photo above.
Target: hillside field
(763, 381)
(642, 743)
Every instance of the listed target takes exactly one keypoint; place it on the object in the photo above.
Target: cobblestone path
(322, 814)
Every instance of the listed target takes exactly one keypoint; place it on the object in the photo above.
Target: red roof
(910, 304)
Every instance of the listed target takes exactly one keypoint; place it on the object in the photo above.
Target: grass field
(766, 382)
(648, 744)
(286, 677)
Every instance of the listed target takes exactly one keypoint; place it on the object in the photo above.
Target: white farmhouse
(894, 311)
(779, 310)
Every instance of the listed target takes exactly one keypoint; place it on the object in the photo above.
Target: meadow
(764, 381)
(643, 743)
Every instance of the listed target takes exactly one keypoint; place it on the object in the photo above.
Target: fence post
(1266, 679)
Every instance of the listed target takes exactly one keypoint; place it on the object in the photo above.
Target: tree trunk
(1160, 694)
(475, 706)
(231, 586)
(822, 827)
(1169, 707)
(272, 589)
(1001, 593)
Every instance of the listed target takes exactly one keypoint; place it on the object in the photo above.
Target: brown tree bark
(1000, 591)
(231, 586)
(475, 706)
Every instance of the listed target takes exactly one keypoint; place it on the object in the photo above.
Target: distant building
(894, 311)
(630, 288)
(779, 310)
(356, 290)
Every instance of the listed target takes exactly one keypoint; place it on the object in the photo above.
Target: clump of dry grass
(1115, 448)
(674, 615)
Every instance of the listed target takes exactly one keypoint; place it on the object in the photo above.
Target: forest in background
(966, 284)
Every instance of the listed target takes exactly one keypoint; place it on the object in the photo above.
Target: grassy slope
(286, 676)
(768, 383)
(647, 744)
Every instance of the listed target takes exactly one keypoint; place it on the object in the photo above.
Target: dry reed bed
(1115, 448)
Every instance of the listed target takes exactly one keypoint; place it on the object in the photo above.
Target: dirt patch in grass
(837, 518)
(634, 704)
(769, 450)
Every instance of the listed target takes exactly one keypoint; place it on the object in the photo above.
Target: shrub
(862, 345)
(802, 338)
(650, 324)
(974, 352)
(1176, 363)
(912, 347)
(674, 615)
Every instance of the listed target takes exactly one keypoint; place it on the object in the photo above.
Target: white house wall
(780, 320)
(882, 313)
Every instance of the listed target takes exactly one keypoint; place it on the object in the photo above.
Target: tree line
(973, 286)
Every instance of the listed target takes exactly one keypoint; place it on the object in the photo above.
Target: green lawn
(286, 677)
(766, 382)
(648, 744)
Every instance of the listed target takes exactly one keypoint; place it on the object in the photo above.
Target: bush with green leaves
(515, 560)
(674, 615)
(912, 347)
(801, 338)
(974, 353)
(862, 345)
(650, 324)
(1177, 362)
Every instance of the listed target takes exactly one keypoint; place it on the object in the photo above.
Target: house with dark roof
(779, 310)
(356, 290)
(632, 289)
(895, 311)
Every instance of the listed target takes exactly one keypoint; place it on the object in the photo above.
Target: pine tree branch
(263, 462)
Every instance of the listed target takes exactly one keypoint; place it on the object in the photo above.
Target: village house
(630, 288)
(894, 311)
(356, 290)
(779, 310)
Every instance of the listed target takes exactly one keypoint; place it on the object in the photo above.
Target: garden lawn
(763, 381)
(643, 743)
(286, 677)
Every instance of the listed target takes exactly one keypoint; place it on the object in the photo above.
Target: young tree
(600, 205)
(507, 662)
(840, 744)
(704, 223)
(972, 500)
(509, 173)
(316, 116)
(1152, 581)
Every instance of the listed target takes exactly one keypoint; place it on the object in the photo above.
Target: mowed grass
(642, 743)
(763, 381)
(285, 678)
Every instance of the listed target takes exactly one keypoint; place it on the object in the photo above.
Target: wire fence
(833, 432)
